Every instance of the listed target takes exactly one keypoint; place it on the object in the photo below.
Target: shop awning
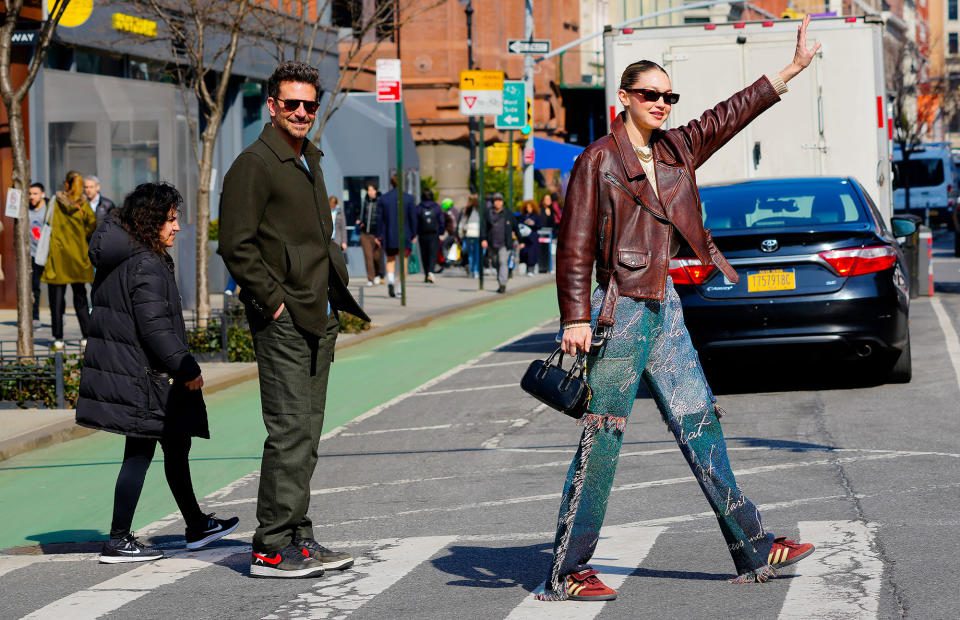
(553, 155)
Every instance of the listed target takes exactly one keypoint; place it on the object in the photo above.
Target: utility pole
(471, 121)
(401, 177)
(528, 81)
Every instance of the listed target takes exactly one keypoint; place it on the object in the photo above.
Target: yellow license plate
(771, 280)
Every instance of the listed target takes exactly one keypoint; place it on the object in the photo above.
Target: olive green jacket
(275, 230)
(72, 225)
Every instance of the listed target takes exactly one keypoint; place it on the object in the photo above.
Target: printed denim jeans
(650, 341)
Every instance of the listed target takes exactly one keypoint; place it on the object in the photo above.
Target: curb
(65, 430)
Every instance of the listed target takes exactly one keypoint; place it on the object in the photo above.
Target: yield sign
(469, 101)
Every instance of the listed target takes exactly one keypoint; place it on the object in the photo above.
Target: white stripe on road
(620, 551)
(515, 384)
(112, 594)
(436, 427)
(496, 364)
(350, 590)
(950, 335)
(494, 441)
(842, 579)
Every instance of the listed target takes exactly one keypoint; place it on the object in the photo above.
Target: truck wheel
(902, 369)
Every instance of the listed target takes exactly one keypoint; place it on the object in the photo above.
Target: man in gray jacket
(275, 238)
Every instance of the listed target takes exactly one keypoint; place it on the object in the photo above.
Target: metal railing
(39, 380)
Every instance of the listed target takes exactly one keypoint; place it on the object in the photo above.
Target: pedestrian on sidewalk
(502, 233)
(551, 220)
(72, 222)
(430, 219)
(369, 241)
(101, 205)
(451, 218)
(38, 216)
(614, 217)
(470, 233)
(139, 379)
(275, 238)
(389, 230)
(339, 223)
(530, 222)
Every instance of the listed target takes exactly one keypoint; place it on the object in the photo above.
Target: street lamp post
(471, 121)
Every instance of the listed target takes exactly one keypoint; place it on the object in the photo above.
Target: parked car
(933, 183)
(821, 275)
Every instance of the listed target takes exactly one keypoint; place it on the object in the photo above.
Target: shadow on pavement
(497, 567)
(51, 543)
(779, 444)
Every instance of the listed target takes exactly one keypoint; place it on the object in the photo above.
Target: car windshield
(799, 204)
(917, 173)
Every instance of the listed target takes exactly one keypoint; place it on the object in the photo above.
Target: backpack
(428, 220)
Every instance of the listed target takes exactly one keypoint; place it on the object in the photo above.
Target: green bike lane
(64, 493)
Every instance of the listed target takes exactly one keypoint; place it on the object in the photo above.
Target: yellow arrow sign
(481, 80)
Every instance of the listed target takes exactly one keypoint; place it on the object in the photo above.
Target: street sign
(388, 80)
(514, 114)
(498, 155)
(520, 46)
(528, 155)
(24, 37)
(481, 93)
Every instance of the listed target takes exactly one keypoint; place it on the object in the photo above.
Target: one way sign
(520, 46)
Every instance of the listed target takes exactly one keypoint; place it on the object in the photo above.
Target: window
(73, 146)
(134, 154)
(918, 173)
(696, 20)
(346, 13)
(254, 111)
(953, 43)
(952, 9)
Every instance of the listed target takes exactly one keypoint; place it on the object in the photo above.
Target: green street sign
(514, 112)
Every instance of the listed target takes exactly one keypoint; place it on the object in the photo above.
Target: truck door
(705, 75)
(788, 139)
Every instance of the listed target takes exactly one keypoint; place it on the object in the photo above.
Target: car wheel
(902, 369)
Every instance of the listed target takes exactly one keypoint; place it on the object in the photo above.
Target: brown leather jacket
(612, 215)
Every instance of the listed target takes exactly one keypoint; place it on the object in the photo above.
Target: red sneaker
(785, 552)
(586, 586)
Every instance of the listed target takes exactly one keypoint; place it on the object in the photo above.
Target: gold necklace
(644, 157)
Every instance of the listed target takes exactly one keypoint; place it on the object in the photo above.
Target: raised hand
(803, 55)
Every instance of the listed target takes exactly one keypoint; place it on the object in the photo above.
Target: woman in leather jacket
(631, 196)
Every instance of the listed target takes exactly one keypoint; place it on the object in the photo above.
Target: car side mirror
(903, 227)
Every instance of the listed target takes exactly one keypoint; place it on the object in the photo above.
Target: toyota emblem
(769, 245)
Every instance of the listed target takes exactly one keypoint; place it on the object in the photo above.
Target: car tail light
(859, 261)
(689, 271)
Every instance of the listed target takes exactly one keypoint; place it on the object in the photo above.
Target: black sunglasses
(292, 105)
(653, 95)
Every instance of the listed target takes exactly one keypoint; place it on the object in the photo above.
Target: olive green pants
(294, 366)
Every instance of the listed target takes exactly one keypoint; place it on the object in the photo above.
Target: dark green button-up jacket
(275, 230)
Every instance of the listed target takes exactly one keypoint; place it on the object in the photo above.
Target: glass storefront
(134, 154)
(73, 146)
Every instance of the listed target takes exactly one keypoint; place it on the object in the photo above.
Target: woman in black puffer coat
(139, 378)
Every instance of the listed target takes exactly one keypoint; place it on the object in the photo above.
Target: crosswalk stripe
(339, 594)
(841, 579)
(112, 594)
(619, 553)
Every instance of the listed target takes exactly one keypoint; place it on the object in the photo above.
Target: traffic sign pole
(401, 223)
(482, 206)
(510, 172)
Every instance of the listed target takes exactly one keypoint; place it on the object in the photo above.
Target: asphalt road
(447, 494)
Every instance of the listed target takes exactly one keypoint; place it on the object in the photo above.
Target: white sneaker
(59, 344)
(369, 282)
(83, 342)
(376, 280)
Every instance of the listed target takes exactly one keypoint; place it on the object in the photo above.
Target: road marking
(494, 441)
(470, 389)
(112, 594)
(392, 560)
(950, 335)
(436, 427)
(626, 487)
(841, 579)
(620, 551)
(495, 364)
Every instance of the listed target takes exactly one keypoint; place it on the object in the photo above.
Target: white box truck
(832, 122)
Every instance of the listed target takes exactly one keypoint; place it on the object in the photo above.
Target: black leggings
(137, 455)
(58, 306)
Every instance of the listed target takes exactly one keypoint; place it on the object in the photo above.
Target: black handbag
(564, 390)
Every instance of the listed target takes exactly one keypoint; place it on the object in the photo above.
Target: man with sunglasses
(275, 238)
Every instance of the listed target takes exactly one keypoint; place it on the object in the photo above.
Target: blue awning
(553, 155)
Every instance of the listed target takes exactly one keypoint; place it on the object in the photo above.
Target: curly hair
(292, 71)
(74, 186)
(145, 210)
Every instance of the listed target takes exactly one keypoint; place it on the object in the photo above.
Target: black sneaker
(391, 291)
(127, 549)
(291, 562)
(332, 560)
(213, 529)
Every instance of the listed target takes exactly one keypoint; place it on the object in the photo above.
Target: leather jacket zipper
(603, 232)
(613, 180)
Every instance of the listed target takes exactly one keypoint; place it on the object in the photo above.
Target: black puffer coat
(137, 361)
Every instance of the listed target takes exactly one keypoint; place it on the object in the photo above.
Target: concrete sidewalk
(22, 430)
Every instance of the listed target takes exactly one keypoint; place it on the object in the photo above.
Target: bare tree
(372, 25)
(204, 36)
(13, 96)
